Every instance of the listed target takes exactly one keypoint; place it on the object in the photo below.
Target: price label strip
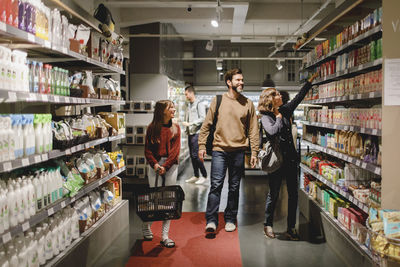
(25, 226)
(50, 211)
(6, 237)
(7, 166)
(25, 162)
(37, 159)
(45, 157)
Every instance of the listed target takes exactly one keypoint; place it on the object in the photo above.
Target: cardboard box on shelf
(116, 120)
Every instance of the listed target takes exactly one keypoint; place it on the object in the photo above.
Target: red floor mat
(192, 248)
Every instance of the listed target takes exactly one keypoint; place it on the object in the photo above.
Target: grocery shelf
(345, 128)
(364, 165)
(84, 235)
(55, 207)
(44, 46)
(354, 70)
(371, 33)
(7, 96)
(345, 98)
(55, 153)
(336, 188)
(347, 234)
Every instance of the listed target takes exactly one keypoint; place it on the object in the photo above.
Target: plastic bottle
(3, 206)
(56, 244)
(48, 187)
(67, 228)
(40, 237)
(38, 191)
(6, 211)
(31, 65)
(38, 134)
(3, 259)
(53, 80)
(41, 78)
(21, 15)
(12, 256)
(3, 136)
(19, 148)
(43, 182)
(36, 77)
(25, 199)
(32, 197)
(20, 202)
(48, 243)
(12, 205)
(59, 183)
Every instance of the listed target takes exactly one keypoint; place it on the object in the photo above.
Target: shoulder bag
(270, 156)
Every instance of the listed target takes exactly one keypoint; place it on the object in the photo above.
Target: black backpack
(210, 138)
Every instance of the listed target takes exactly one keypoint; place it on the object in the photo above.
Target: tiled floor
(256, 250)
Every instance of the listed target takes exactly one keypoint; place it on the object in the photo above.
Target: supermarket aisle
(256, 250)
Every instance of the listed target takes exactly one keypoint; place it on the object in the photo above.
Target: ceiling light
(214, 23)
(279, 65)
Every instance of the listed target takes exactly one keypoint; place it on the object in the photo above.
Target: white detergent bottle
(6, 218)
(40, 237)
(3, 205)
(21, 248)
(19, 137)
(67, 227)
(32, 250)
(3, 135)
(49, 185)
(39, 193)
(26, 199)
(75, 225)
(11, 138)
(48, 242)
(60, 183)
(32, 141)
(45, 190)
(14, 118)
(54, 235)
(12, 205)
(12, 256)
(20, 203)
(54, 185)
(62, 228)
(4, 259)
(32, 197)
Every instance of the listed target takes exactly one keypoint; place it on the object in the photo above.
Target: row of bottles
(46, 79)
(19, 74)
(22, 135)
(43, 243)
(23, 197)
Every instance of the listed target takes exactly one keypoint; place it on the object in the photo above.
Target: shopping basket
(160, 203)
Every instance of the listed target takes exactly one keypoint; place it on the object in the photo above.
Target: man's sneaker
(292, 234)
(192, 179)
(201, 180)
(211, 227)
(230, 227)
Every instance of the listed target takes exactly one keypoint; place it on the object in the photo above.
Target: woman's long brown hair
(154, 129)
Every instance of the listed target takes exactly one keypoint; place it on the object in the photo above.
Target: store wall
(391, 114)
(255, 71)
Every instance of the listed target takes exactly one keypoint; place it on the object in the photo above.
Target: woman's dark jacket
(282, 127)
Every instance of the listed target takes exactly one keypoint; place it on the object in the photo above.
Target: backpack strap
(219, 100)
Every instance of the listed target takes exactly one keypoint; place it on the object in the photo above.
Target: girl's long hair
(154, 128)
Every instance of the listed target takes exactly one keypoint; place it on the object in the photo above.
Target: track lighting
(279, 65)
(215, 22)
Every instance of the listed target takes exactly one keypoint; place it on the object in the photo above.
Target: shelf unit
(336, 188)
(55, 153)
(346, 98)
(358, 129)
(375, 32)
(46, 47)
(376, 64)
(85, 235)
(338, 226)
(19, 96)
(55, 207)
(358, 162)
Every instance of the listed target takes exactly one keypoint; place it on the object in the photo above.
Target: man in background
(194, 117)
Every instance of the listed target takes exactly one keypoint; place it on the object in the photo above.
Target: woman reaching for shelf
(276, 121)
(162, 152)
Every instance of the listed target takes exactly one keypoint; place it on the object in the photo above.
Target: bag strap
(219, 100)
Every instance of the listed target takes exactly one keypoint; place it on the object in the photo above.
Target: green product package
(74, 182)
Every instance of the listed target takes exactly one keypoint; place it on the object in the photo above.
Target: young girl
(162, 152)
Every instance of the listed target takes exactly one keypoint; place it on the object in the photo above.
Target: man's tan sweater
(237, 123)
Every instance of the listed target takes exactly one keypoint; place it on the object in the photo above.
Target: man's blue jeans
(234, 162)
